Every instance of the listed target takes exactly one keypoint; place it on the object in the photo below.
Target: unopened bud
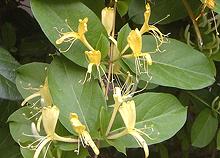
(108, 19)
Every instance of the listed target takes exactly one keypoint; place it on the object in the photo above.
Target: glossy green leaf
(71, 96)
(103, 45)
(8, 65)
(160, 9)
(156, 110)
(58, 11)
(97, 8)
(204, 128)
(122, 37)
(178, 66)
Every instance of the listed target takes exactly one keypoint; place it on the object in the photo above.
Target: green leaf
(8, 66)
(20, 124)
(103, 45)
(58, 11)
(122, 37)
(159, 10)
(71, 96)
(27, 79)
(178, 66)
(218, 140)
(204, 129)
(97, 8)
(8, 35)
(156, 110)
(122, 6)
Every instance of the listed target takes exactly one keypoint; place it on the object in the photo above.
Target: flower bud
(108, 19)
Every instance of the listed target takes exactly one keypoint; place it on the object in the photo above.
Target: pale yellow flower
(84, 135)
(108, 19)
(159, 37)
(135, 43)
(49, 120)
(94, 59)
(128, 114)
(72, 36)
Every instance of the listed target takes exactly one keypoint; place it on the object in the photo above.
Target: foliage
(103, 78)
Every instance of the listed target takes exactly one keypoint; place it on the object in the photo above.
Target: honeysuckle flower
(84, 135)
(135, 43)
(120, 95)
(108, 19)
(93, 58)
(49, 120)
(72, 36)
(42, 92)
(128, 114)
(160, 37)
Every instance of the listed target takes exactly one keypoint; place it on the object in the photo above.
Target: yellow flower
(94, 58)
(84, 136)
(49, 120)
(72, 36)
(128, 114)
(151, 28)
(108, 19)
(42, 92)
(135, 43)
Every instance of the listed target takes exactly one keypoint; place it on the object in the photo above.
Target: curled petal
(88, 141)
(140, 141)
(135, 41)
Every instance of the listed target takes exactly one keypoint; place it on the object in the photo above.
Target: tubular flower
(72, 36)
(120, 96)
(42, 92)
(151, 28)
(108, 19)
(94, 58)
(84, 136)
(128, 114)
(135, 43)
(49, 120)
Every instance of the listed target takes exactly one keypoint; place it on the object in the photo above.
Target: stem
(111, 52)
(196, 27)
(116, 107)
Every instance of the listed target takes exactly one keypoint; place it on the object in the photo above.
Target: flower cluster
(122, 95)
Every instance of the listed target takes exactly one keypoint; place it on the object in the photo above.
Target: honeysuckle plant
(104, 83)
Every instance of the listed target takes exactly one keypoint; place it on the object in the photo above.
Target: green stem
(196, 27)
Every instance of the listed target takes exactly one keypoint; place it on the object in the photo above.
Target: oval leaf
(204, 129)
(156, 110)
(58, 11)
(8, 65)
(178, 66)
(71, 96)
